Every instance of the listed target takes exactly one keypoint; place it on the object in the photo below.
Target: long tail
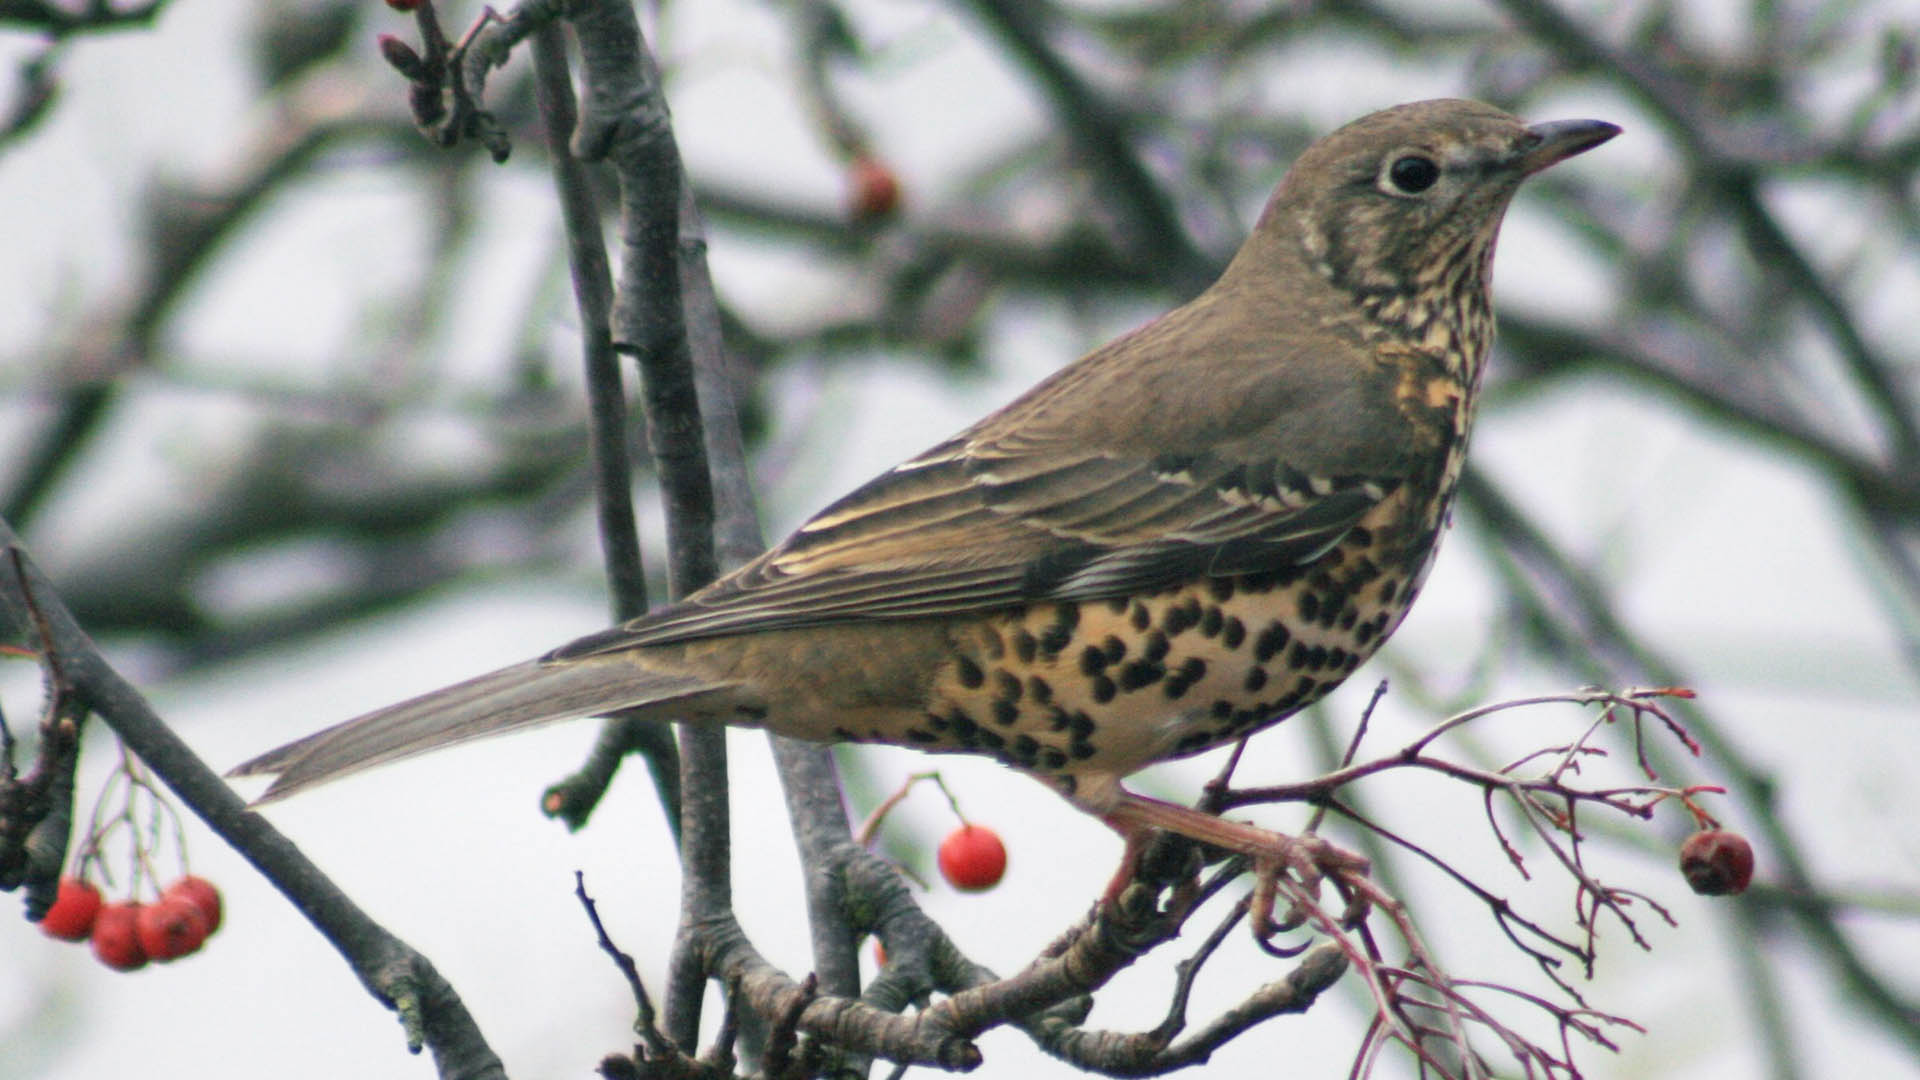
(535, 692)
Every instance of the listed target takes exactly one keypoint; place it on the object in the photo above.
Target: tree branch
(397, 975)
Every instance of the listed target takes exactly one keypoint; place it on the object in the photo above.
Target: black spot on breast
(1007, 685)
(991, 641)
(922, 737)
(1139, 616)
(1141, 673)
(1040, 689)
(1271, 642)
(1005, 712)
(1181, 616)
(1211, 621)
(1220, 588)
(969, 673)
(1082, 750)
(1115, 649)
(989, 738)
(1309, 606)
(1024, 646)
(1337, 657)
(1387, 591)
(1092, 660)
(1025, 749)
(1055, 638)
(1117, 605)
(1181, 680)
(1067, 614)
(1053, 759)
(1156, 647)
(1221, 708)
(1058, 719)
(1233, 632)
(1103, 689)
(964, 730)
(1256, 678)
(1080, 724)
(1192, 741)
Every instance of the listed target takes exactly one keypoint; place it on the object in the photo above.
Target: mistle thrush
(1182, 538)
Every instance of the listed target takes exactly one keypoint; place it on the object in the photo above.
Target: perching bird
(1182, 538)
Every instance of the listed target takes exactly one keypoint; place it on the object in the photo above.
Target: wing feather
(986, 529)
(1134, 469)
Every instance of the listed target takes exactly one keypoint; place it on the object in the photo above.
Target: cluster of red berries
(127, 933)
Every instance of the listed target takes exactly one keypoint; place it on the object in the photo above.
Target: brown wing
(961, 529)
(1125, 472)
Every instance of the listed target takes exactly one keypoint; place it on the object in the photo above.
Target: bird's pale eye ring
(1411, 174)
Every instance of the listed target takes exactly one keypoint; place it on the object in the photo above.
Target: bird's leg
(1307, 860)
(1136, 846)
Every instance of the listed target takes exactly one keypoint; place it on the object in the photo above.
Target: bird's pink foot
(1296, 866)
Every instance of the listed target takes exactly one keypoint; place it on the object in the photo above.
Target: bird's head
(1399, 209)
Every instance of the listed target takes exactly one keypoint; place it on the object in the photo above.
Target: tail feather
(523, 695)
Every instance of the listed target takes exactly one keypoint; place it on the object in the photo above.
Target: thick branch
(606, 398)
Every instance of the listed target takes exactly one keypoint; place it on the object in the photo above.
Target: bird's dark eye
(1413, 173)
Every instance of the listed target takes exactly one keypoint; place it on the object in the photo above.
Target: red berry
(116, 941)
(71, 916)
(201, 894)
(170, 928)
(1716, 862)
(972, 858)
(873, 190)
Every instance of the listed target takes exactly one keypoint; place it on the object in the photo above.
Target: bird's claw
(1302, 864)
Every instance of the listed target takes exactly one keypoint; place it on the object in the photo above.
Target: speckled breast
(1114, 685)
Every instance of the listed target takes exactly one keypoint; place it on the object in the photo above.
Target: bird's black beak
(1557, 140)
